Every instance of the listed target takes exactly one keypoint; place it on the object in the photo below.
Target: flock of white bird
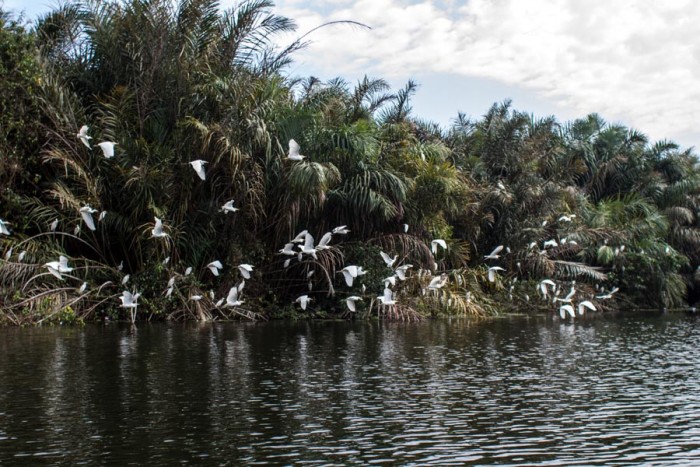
(302, 245)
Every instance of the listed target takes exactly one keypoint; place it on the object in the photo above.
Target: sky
(634, 62)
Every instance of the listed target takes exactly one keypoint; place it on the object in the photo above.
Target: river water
(511, 391)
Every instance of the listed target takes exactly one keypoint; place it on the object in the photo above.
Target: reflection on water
(512, 391)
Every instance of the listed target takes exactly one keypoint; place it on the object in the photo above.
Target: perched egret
(245, 269)
(388, 259)
(303, 300)
(52, 226)
(492, 272)
(293, 154)
(552, 243)
(82, 287)
(341, 230)
(107, 148)
(21, 256)
(86, 213)
(405, 228)
(3, 227)
(8, 255)
(287, 262)
(566, 218)
(102, 216)
(350, 302)
(83, 136)
(166, 260)
(434, 244)
(198, 167)
(188, 271)
(494, 254)
(125, 279)
(196, 298)
(228, 207)
(214, 267)
(437, 282)
(569, 297)
(157, 231)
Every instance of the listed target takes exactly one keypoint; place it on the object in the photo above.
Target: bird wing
(348, 277)
(496, 251)
(388, 295)
(309, 242)
(351, 304)
(87, 218)
(387, 259)
(325, 240)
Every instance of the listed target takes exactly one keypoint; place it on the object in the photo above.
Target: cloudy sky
(632, 61)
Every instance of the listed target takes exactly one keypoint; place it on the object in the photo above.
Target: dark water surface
(511, 391)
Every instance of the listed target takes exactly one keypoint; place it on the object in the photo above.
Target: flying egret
(228, 207)
(494, 254)
(350, 302)
(401, 271)
(57, 267)
(293, 154)
(214, 267)
(387, 299)
(325, 240)
(434, 244)
(130, 300)
(341, 230)
(388, 259)
(232, 298)
(585, 304)
(83, 136)
(198, 167)
(3, 227)
(437, 282)
(308, 247)
(303, 300)
(86, 213)
(569, 297)
(543, 286)
(287, 250)
(608, 295)
(107, 148)
(564, 309)
(300, 237)
(492, 272)
(157, 231)
(245, 269)
(390, 280)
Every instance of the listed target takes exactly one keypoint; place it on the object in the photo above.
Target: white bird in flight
(564, 309)
(214, 267)
(232, 298)
(401, 271)
(325, 240)
(293, 154)
(350, 302)
(341, 230)
(494, 254)
(387, 299)
(157, 231)
(303, 301)
(308, 247)
(198, 167)
(585, 304)
(107, 148)
(300, 237)
(492, 272)
(3, 227)
(228, 207)
(350, 273)
(86, 213)
(287, 250)
(129, 300)
(434, 244)
(83, 136)
(57, 267)
(388, 259)
(245, 269)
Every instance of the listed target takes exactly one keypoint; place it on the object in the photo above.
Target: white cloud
(635, 61)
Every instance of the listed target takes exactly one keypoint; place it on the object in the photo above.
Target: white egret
(585, 304)
(293, 154)
(83, 287)
(157, 231)
(434, 244)
(300, 237)
(325, 240)
(569, 297)
(76, 230)
(102, 216)
(552, 243)
(350, 302)
(608, 295)
(287, 262)
(388, 259)
(3, 227)
(198, 166)
(308, 247)
(8, 255)
(130, 300)
(121, 265)
(53, 225)
(387, 299)
(287, 250)
(405, 228)
(107, 148)
(196, 298)
(341, 230)
(564, 309)
(437, 282)
(86, 213)
(228, 207)
(232, 298)
(83, 136)
(303, 301)
(492, 272)
(245, 269)
(57, 267)
(171, 281)
(125, 279)
(390, 280)
(401, 271)
(166, 260)
(494, 254)
(188, 271)
(214, 267)
(566, 218)
(543, 286)
(21, 256)
(169, 291)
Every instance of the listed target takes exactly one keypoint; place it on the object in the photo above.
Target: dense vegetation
(171, 83)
